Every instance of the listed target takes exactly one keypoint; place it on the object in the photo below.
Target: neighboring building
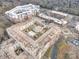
(55, 16)
(22, 13)
(35, 37)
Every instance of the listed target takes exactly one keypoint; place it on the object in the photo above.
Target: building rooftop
(34, 41)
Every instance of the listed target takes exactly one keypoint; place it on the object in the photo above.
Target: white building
(22, 13)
